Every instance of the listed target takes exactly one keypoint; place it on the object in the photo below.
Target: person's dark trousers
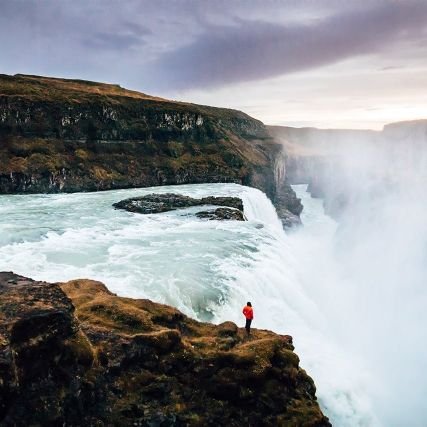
(248, 326)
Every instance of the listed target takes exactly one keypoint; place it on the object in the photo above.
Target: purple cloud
(165, 45)
(253, 50)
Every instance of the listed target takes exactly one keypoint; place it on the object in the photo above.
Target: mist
(374, 185)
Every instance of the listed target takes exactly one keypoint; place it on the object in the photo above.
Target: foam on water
(172, 257)
(208, 269)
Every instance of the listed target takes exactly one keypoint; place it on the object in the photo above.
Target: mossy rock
(227, 329)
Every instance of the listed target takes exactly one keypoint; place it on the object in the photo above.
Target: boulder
(222, 214)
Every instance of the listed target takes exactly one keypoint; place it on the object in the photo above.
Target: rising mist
(374, 184)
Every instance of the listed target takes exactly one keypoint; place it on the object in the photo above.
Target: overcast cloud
(190, 48)
(253, 50)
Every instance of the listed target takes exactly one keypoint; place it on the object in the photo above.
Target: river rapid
(207, 269)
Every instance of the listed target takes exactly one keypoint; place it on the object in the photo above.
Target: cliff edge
(343, 166)
(75, 354)
(61, 135)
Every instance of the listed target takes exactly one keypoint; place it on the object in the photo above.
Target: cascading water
(208, 269)
(283, 280)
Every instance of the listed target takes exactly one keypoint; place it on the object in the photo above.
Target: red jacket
(248, 312)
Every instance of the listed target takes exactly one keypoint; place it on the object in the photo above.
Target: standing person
(249, 314)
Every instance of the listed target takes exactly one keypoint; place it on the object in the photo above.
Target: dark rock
(222, 214)
(232, 202)
(70, 356)
(40, 354)
(288, 206)
(157, 203)
(289, 220)
(227, 329)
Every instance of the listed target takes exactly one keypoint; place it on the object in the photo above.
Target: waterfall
(286, 299)
(258, 207)
(327, 289)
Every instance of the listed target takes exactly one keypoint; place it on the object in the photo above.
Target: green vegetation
(73, 135)
(114, 165)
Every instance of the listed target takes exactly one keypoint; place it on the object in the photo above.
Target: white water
(208, 269)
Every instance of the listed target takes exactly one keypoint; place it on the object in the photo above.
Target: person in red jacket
(249, 314)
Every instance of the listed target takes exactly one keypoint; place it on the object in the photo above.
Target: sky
(323, 63)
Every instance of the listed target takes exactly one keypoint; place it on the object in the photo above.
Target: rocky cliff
(60, 135)
(308, 151)
(75, 354)
(342, 165)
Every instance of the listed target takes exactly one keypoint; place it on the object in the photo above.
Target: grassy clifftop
(59, 135)
(50, 89)
(75, 354)
(53, 89)
(72, 135)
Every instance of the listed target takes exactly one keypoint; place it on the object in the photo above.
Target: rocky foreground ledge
(75, 354)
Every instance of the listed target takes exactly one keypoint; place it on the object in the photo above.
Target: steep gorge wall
(341, 165)
(64, 136)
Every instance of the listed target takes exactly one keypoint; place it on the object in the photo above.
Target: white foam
(208, 269)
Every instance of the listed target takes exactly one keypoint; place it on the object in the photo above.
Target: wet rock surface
(75, 354)
(222, 214)
(288, 207)
(158, 203)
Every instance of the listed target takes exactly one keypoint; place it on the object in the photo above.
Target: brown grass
(38, 87)
(50, 89)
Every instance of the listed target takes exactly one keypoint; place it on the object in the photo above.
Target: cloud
(169, 46)
(125, 36)
(113, 41)
(253, 50)
(391, 68)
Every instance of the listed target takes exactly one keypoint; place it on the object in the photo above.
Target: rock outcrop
(157, 203)
(222, 214)
(59, 135)
(232, 207)
(75, 354)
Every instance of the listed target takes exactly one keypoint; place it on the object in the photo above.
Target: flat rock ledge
(76, 354)
(231, 207)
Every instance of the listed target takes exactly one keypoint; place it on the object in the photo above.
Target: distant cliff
(75, 354)
(343, 165)
(310, 150)
(59, 135)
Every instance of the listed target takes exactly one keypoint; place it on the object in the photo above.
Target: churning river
(207, 269)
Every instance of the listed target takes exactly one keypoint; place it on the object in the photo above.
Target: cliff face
(343, 166)
(75, 354)
(61, 135)
(309, 151)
